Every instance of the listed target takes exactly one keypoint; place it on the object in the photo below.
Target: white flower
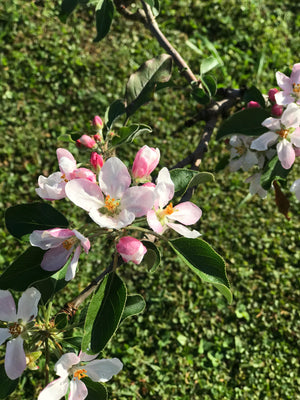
(290, 86)
(78, 367)
(240, 154)
(255, 186)
(15, 359)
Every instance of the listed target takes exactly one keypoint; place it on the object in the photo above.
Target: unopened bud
(97, 122)
(98, 137)
(131, 249)
(271, 94)
(86, 141)
(96, 160)
(253, 104)
(276, 110)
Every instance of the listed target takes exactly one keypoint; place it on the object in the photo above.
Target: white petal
(184, 231)
(49, 238)
(51, 188)
(121, 220)
(78, 390)
(283, 98)
(103, 370)
(114, 178)
(272, 123)
(87, 357)
(56, 258)
(84, 194)
(66, 161)
(164, 190)
(263, 141)
(291, 116)
(28, 304)
(249, 159)
(286, 153)
(154, 223)
(138, 200)
(295, 137)
(187, 213)
(15, 359)
(283, 81)
(85, 243)
(65, 362)
(4, 334)
(55, 390)
(71, 271)
(295, 188)
(7, 307)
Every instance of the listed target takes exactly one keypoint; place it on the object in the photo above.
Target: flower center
(111, 204)
(296, 89)
(162, 214)
(69, 242)
(63, 177)
(80, 373)
(240, 150)
(283, 133)
(15, 329)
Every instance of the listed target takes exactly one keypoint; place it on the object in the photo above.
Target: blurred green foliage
(188, 343)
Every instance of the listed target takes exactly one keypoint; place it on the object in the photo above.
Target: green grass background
(188, 343)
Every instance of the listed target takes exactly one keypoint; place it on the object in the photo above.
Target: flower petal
(283, 81)
(291, 116)
(283, 98)
(184, 231)
(154, 223)
(28, 304)
(295, 137)
(87, 357)
(286, 153)
(85, 243)
(103, 370)
(65, 362)
(187, 213)
(78, 390)
(114, 178)
(272, 123)
(164, 190)
(55, 390)
(295, 188)
(56, 258)
(84, 194)
(71, 271)
(7, 307)
(123, 219)
(4, 335)
(66, 161)
(51, 188)
(263, 141)
(49, 238)
(138, 200)
(15, 359)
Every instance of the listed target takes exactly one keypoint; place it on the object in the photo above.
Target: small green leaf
(128, 133)
(104, 314)
(253, 94)
(141, 84)
(104, 16)
(245, 122)
(185, 178)
(61, 321)
(208, 64)
(25, 218)
(7, 385)
(96, 390)
(210, 84)
(69, 138)
(204, 261)
(135, 304)
(152, 257)
(273, 170)
(200, 96)
(67, 7)
(113, 112)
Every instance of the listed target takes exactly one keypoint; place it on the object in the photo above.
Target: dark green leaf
(245, 122)
(24, 271)
(273, 170)
(25, 218)
(97, 391)
(104, 16)
(128, 133)
(152, 257)
(104, 314)
(222, 163)
(74, 341)
(67, 7)
(204, 261)
(210, 84)
(135, 304)
(61, 321)
(200, 96)
(113, 112)
(253, 94)
(208, 64)
(185, 178)
(7, 386)
(141, 84)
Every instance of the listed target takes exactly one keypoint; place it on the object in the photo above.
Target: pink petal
(28, 304)
(55, 390)
(184, 231)
(131, 249)
(84, 194)
(65, 362)
(51, 188)
(114, 178)
(49, 238)
(295, 137)
(283, 81)
(55, 258)
(283, 98)
(138, 200)
(286, 153)
(84, 173)
(187, 213)
(145, 162)
(164, 190)
(85, 243)
(15, 359)
(7, 307)
(71, 271)
(154, 223)
(295, 75)
(291, 116)
(103, 370)
(66, 161)
(78, 390)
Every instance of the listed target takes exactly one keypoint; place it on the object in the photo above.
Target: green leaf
(128, 133)
(61, 321)
(253, 94)
(104, 16)
(113, 112)
(185, 178)
(25, 218)
(135, 304)
(74, 342)
(67, 7)
(200, 96)
(7, 386)
(155, 6)
(204, 261)
(273, 170)
(208, 64)
(210, 84)
(96, 390)
(69, 138)
(245, 122)
(141, 84)
(152, 257)
(25, 270)
(104, 314)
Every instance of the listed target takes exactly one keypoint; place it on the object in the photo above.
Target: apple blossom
(145, 162)
(295, 188)
(255, 186)
(86, 141)
(160, 218)
(240, 154)
(131, 249)
(121, 205)
(286, 131)
(53, 187)
(17, 328)
(60, 244)
(290, 87)
(78, 367)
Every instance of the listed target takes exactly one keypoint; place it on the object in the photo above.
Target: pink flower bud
(145, 162)
(276, 110)
(97, 122)
(96, 160)
(253, 104)
(86, 141)
(272, 93)
(98, 137)
(131, 249)
(149, 184)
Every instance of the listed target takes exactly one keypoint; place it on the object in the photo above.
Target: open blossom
(240, 154)
(290, 87)
(121, 204)
(131, 249)
(285, 131)
(163, 213)
(145, 162)
(255, 186)
(295, 188)
(72, 368)
(16, 330)
(60, 244)
(53, 186)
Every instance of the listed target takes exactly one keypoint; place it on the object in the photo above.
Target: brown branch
(122, 8)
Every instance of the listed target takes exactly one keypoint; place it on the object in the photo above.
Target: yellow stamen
(169, 209)
(63, 177)
(296, 89)
(283, 133)
(69, 242)
(111, 204)
(80, 373)
(15, 329)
